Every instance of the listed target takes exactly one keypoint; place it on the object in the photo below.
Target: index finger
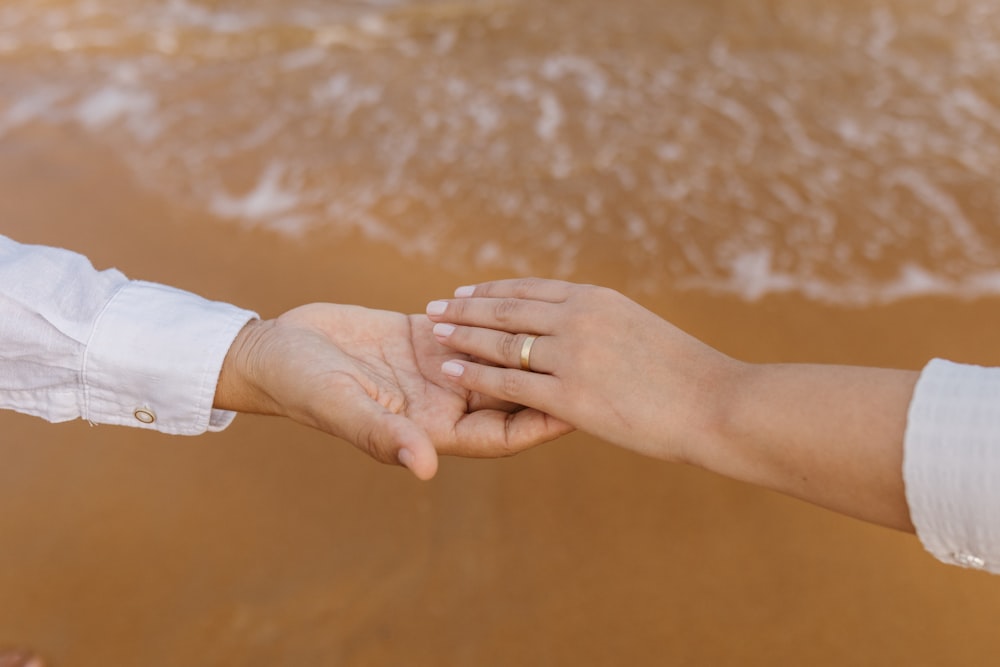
(510, 314)
(538, 289)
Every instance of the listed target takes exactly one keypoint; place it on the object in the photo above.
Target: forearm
(831, 435)
(914, 451)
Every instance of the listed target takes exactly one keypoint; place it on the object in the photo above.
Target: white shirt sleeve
(951, 463)
(80, 343)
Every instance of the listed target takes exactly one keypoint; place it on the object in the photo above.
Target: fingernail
(443, 330)
(406, 457)
(465, 290)
(437, 307)
(452, 369)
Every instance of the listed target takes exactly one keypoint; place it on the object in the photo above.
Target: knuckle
(526, 287)
(479, 377)
(472, 377)
(461, 337)
(512, 384)
(456, 309)
(597, 292)
(508, 348)
(365, 440)
(504, 310)
(484, 290)
(589, 302)
(507, 448)
(612, 294)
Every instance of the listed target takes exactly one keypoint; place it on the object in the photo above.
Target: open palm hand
(373, 378)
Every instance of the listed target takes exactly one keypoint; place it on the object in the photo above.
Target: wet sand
(272, 544)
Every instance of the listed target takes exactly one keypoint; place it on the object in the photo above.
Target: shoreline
(256, 268)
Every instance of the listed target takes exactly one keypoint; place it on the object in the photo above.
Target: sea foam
(849, 156)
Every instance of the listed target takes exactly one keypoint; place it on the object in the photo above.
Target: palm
(356, 369)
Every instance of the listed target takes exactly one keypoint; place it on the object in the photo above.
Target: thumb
(389, 438)
(408, 443)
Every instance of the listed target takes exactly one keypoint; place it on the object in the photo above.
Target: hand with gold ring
(571, 351)
(601, 362)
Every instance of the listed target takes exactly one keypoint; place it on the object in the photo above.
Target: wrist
(714, 444)
(240, 388)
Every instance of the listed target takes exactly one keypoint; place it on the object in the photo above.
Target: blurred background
(789, 180)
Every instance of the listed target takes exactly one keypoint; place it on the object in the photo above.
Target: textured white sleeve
(154, 359)
(76, 342)
(951, 463)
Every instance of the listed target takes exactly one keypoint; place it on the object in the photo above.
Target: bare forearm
(831, 435)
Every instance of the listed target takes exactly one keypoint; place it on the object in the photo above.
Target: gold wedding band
(526, 352)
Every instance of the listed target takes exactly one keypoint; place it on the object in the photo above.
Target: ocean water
(848, 151)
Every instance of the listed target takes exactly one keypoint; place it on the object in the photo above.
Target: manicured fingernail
(465, 290)
(443, 330)
(437, 307)
(406, 457)
(452, 369)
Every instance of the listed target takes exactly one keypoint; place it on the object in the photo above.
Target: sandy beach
(789, 180)
(271, 544)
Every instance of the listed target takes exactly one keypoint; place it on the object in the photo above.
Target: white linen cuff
(951, 463)
(154, 358)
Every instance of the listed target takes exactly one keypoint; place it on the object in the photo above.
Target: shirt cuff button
(145, 415)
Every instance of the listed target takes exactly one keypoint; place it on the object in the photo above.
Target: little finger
(507, 314)
(539, 289)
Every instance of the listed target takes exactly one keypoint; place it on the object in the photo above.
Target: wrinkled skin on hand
(373, 378)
